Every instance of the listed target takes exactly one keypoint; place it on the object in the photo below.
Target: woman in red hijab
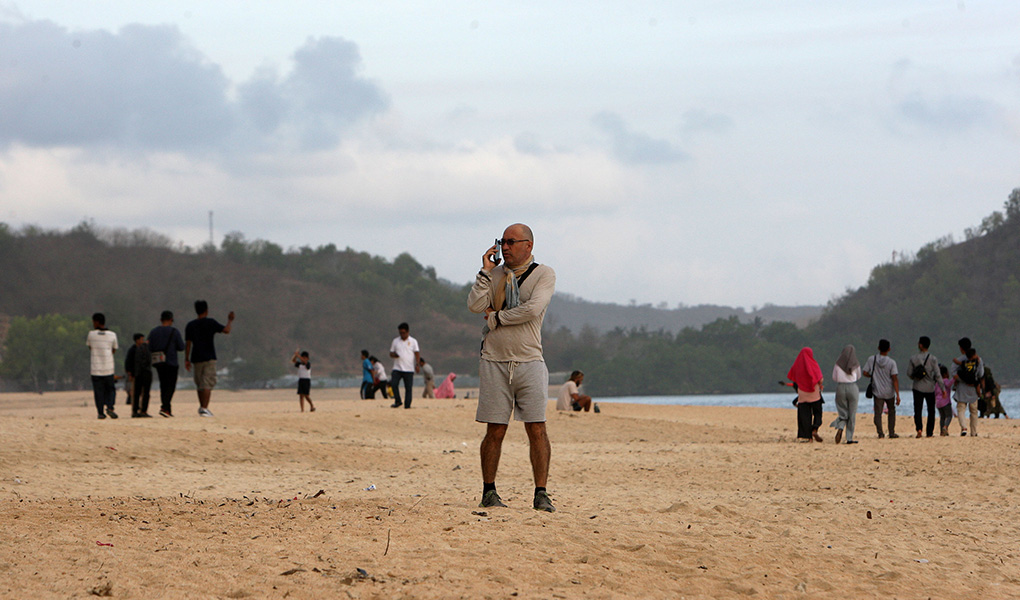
(806, 376)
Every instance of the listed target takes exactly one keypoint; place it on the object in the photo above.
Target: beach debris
(291, 571)
(370, 488)
(98, 543)
(480, 513)
(104, 589)
(869, 514)
(362, 573)
(800, 587)
(251, 432)
(111, 448)
(456, 468)
(387, 550)
(923, 561)
(319, 493)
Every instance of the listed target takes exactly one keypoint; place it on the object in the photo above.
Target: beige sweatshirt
(515, 334)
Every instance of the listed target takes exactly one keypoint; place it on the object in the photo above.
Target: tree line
(336, 301)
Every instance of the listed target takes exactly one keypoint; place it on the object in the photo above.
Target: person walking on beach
(846, 372)
(139, 369)
(944, 400)
(304, 383)
(165, 342)
(102, 343)
(405, 352)
(886, 382)
(367, 380)
(807, 376)
(967, 380)
(379, 379)
(200, 352)
(513, 378)
(570, 397)
(429, 377)
(923, 370)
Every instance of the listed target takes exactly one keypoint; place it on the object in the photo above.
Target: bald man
(513, 378)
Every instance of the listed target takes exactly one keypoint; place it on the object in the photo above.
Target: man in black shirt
(200, 352)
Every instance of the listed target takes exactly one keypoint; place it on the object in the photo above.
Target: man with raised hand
(513, 378)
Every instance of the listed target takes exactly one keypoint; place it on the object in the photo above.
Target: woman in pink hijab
(806, 376)
(445, 389)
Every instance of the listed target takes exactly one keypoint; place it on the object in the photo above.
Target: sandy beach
(358, 500)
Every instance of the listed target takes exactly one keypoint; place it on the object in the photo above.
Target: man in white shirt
(406, 355)
(102, 343)
(571, 398)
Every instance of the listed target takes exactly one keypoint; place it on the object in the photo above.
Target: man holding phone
(513, 378)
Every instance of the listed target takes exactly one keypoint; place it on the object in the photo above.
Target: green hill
(335, 302)
(328, 301)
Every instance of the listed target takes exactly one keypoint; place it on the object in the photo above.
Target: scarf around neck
(508, 291)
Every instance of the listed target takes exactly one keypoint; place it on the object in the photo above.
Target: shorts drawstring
(510, 367)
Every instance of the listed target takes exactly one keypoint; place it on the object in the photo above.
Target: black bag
(919, 372)
(968, 372)
(869, 392)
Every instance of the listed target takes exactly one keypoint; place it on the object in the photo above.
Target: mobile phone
(495, 257)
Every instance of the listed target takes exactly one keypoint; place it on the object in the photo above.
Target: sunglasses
(509, 242)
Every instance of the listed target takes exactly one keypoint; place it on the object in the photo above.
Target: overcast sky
(732, 152)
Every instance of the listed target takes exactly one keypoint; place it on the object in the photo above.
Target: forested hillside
(328, 301)
(946, 291)
(334, 302)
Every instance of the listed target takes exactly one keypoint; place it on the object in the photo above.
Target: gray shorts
(506, 388)
(205, 374)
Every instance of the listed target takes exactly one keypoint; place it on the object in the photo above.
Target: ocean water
(1010, 401)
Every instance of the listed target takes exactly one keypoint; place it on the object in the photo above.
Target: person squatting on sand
(571, 398)
(886, 382)
(405, 354)
(165, 342)
(102, 344)
(380, 381)
(846, 372)
(513, 378)
(304, 382)
(446, 389)
(200, 352)
(807, 376)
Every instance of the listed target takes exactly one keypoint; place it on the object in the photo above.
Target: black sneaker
(491, 500)
(165, 413)
(102, 416)
(396, 405)
(109, 411)
(542, 502)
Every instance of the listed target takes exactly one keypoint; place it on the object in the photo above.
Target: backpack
(919, 371)
(968, 372)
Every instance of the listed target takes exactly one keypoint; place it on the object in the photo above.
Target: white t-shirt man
(404, 349)
(102, 343)
(566, 397)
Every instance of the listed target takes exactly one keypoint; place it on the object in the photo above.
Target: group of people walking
(157, 350)
(935, 387)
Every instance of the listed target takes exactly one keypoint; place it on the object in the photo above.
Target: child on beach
(944, 400)
(304, 382)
